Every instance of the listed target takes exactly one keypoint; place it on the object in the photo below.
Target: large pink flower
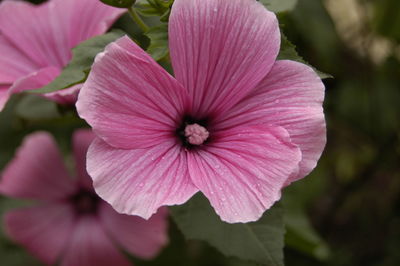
(233, 123)
(36, 41)
(70, 223)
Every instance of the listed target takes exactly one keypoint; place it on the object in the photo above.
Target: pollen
(196, 134)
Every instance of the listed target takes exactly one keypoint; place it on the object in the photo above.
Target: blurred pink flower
(71, 224)
(36, 42)
(233, 123)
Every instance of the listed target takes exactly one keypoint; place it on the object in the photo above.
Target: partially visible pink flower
(234, 123)
(36, 42)
(70, 223)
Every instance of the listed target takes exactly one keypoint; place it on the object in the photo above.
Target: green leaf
(36, 108)
(260, 242)
(161, 8)
(279, 5)
(158, 36)
(300, 235)
(119, 3)
(288, 51)
(83, 55)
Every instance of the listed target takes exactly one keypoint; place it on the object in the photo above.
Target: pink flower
(71, 224)
(234, 123)
(36, 42)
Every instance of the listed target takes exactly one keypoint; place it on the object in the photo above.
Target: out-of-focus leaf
(387, 19)
(161, 8)
(288, 51)
(83, 55)
(237, 262)
(260, 242)
(279, 5)
(158, 41)
(34, 108)
(119, 3)
(300, 235)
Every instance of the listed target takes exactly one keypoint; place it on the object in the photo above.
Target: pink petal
(46, 33)
(243, 170)
(220, 50)
(81, 141)
(35, 80)
(14, 64)
(95, 23)
(37, 171)
(4, 96)
(90, 246)
(129, 100)
(143, 238)
(66, 96)
(139, 181)
(44, 230)
(290, 96)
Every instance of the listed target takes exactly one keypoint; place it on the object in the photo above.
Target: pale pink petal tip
(66, 96)
(81, 141)
(4, 96)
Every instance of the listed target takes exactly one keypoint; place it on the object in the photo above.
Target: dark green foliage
(260, 242)
(119, 3)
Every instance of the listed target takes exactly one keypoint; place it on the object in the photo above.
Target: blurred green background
(347, 212)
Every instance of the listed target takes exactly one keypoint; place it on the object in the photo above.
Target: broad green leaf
(161, 8)
(83, 55)
(119, 3)
(279, 5)
(300, 235)
(237, 262)
(34, 108)
(288, 51)
(158, 36)
(259, 242)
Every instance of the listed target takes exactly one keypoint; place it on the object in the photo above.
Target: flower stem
(135, 17)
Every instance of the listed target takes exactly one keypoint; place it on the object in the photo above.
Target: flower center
(196, 134)
(85, 202)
